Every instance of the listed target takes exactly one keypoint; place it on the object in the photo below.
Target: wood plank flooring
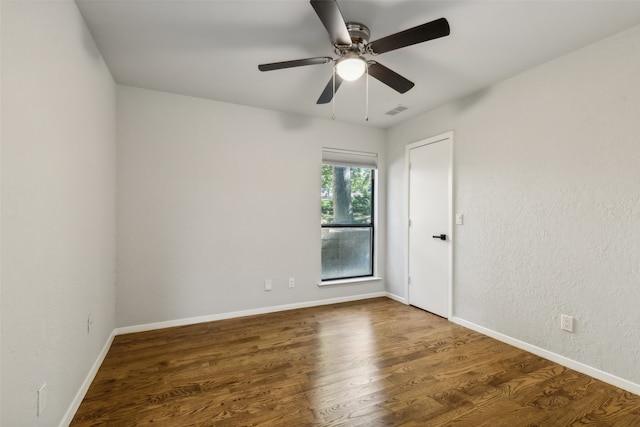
(367, 363)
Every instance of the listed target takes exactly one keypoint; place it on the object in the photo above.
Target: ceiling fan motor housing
(359, 33)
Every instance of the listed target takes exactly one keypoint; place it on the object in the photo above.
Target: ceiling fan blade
(295, 63)
(421, 33)
(390, 78)
(331, 17)
(327, 93)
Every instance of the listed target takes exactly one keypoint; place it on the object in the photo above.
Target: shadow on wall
(88, 42)
(294, 121)
(469, 101)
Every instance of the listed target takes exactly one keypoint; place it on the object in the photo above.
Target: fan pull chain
(366, 111)
(333, 98)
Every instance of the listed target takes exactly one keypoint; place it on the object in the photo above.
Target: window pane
(346, 252)
(346, 195)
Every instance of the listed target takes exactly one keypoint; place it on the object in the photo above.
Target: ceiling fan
(351, 43)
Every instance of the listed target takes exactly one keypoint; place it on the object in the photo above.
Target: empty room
(319, 213)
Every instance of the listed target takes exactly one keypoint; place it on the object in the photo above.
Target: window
(347, 227)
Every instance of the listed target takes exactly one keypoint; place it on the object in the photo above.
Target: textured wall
(547, 174)
(214, 198)
(58, 207)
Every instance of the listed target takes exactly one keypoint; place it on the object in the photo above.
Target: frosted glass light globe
(351, 68)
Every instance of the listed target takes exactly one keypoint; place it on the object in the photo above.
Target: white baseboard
(234, 314)
(77, 400)
(396, 298)
(554, 357)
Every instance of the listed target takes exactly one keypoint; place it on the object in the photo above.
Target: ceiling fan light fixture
(351, 67)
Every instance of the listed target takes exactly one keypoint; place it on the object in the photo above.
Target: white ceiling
(212, 48)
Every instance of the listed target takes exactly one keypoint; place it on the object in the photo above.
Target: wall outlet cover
(566, 323)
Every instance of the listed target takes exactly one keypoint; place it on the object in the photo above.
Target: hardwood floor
(366, 363)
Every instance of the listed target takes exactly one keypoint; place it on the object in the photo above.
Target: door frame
(450, 232)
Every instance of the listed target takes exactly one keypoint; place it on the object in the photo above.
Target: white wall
(214, 198)
(58, 207)
(0, 211)
(547, 174)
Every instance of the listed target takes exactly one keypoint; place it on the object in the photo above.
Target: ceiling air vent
(398, 109)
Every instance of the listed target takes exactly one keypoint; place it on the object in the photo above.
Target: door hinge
(409, 222)
(409, 280)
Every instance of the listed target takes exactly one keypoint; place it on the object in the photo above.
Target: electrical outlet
(267, 284)
(42, 399)
(566, 323)
(292, 282)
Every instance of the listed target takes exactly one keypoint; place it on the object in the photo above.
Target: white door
(430, 208)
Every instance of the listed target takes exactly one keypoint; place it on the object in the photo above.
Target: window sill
(346, 281)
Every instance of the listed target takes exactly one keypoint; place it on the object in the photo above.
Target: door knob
(441, 237)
